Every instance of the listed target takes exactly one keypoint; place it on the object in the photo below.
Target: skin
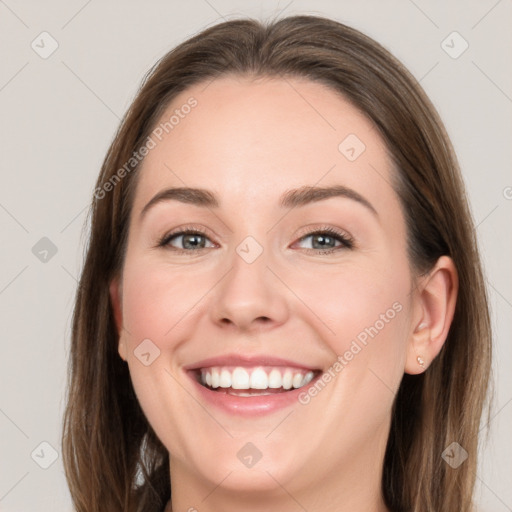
(249, 141)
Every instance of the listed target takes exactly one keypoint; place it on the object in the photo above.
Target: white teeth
(225, 379)
(287, 379)
(241, 378)
(307, 378)
(275, 380)
(215, 378)
(259, 379)
(297, 380)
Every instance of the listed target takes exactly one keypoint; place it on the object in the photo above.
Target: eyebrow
(290, 199)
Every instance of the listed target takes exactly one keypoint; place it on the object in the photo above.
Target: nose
(249, 297)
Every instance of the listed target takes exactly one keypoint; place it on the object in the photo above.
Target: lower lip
(250, 405)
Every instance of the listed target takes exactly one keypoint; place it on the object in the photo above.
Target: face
(265, 318)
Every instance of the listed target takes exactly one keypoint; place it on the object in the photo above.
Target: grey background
(59, 115)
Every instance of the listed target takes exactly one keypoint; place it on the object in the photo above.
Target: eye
(190, 239)
(326, 239)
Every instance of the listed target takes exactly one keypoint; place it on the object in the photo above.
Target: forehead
(251, 139)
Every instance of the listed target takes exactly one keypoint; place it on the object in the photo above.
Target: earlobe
(435, 301)
(115, 291)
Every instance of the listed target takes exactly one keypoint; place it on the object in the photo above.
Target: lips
(250, 385)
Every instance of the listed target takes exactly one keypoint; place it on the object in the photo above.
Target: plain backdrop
(59, 113)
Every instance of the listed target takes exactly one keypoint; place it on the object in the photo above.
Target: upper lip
(247, 361)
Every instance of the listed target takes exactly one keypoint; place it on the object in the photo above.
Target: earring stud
(421, 362)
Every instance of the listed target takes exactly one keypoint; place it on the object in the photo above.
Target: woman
(282, 305)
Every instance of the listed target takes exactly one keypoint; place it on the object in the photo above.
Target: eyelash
(187, 230)
(346, 241)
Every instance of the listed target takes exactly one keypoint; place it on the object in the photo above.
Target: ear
(116, 299)
(435, 299)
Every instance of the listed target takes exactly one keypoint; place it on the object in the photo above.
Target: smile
(253, 381)
(250, 385)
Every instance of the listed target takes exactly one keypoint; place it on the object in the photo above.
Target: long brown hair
(112, 457)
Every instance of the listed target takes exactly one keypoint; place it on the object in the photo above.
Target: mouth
(252, 385)
(254, 381)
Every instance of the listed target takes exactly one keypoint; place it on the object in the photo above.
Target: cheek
(361, 312)
(357, 301)
(158, 302)
(157, 299)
